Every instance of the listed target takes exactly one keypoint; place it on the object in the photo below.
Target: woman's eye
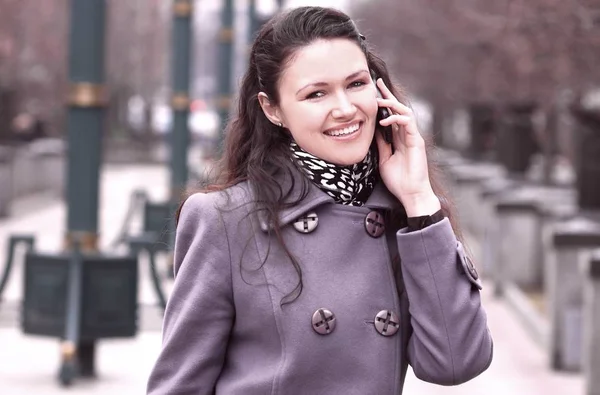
(356, 84)
(315, 95)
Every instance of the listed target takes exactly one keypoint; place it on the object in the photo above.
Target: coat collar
(380, 199)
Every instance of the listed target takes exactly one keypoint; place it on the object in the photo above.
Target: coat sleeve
(450, 341)
(199, 313)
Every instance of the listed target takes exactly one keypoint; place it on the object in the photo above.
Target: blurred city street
(29, 364)
(110, 110)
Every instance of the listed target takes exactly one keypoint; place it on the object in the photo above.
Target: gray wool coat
(226, 331)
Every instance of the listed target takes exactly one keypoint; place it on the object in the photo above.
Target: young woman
(323, 261)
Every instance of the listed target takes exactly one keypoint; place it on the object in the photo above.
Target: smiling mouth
(345, 131)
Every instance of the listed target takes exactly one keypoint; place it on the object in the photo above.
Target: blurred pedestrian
(323, 260)
(27, 128)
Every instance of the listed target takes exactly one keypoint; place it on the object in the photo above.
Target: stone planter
(573, 242)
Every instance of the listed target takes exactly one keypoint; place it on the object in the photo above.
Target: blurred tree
(138, 57)
(455, 52)
(33, 42)
(7, 56)
(32, 56)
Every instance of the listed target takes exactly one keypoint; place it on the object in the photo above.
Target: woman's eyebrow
(356, 74)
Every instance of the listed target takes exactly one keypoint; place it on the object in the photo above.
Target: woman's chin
(348, 159)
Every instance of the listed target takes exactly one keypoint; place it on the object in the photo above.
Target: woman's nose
(344, 107)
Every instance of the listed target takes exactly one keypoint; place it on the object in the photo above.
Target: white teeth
(342, 132)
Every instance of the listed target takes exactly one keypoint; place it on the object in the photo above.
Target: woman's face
(327, 101)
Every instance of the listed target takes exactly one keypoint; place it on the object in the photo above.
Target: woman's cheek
(368, 103)
(317, 114)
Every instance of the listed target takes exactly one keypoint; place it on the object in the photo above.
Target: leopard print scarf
(349, 185)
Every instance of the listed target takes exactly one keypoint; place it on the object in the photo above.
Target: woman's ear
(270, 110)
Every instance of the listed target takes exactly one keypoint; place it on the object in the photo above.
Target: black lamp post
(180, 101)
(226, 34)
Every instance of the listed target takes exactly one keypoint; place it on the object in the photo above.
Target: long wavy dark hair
(256, 150)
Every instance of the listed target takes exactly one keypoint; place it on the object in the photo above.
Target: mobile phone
(382, 113)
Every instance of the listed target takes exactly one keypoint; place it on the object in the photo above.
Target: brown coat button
(387, 323)
(307, 223)
(467, 266)
(374, 224)
(323, 321)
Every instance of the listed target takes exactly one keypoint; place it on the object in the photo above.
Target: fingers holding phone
(384, 113)
(406, 131)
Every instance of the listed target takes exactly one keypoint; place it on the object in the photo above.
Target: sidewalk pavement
(29, 365)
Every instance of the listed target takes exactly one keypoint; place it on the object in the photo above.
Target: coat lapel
(380, 199)
(314, 198)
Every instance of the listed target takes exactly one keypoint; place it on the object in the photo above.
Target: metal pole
(87, 99)
(180, 101)
(254, 23)
(86, 104)
(226, 64)
(72, 330)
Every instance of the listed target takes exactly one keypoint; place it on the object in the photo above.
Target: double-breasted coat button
(374, 224)
(467, 266)
(387, 323)
(323, 321)
(307, 223)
